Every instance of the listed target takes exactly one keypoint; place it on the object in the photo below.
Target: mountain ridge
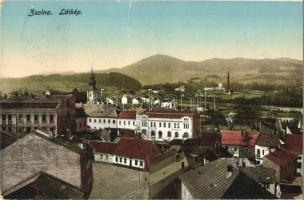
(162, 68)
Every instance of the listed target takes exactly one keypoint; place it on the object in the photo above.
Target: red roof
(171, 114)
(280, 157)
(294, 144)
(136, 148)
(238, 138)
(127, 115)
(103, 147)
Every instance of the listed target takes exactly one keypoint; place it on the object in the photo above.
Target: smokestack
(228, 81)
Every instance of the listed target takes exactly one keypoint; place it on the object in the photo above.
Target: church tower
(93, 95)
(92, 82)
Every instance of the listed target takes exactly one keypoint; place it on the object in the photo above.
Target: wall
(32, 154)
(101, 122)
(127, 124)
(103, 157)
(262, 149)
(165, 125)
(116, 182)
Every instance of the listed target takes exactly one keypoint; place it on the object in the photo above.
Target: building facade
(55, 114)
(266, 143)
(153, 125)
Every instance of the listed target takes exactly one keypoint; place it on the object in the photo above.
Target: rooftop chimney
(229, 171)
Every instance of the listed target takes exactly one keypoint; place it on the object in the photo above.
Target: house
(101, 116)
(220, 180)
(265, 177)
(37, 156)
(127, 120)
(284, 163)
(240, 144)
(266, 143)
(135, 152)
(200, 150)
(164, 124)
(103, 151)
(145, 169)
(294, 145)
(154, 125)
(55, 113)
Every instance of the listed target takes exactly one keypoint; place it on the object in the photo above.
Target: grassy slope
(67, 83)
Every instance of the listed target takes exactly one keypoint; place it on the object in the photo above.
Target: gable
(33, 154)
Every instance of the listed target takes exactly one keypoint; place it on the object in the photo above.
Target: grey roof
(260, 174)
(27, 102)
(49, 187)
(210, 182)
(100, 110)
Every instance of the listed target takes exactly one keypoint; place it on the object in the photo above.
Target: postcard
(155, 99)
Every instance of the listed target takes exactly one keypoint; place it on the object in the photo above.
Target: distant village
(86, 145)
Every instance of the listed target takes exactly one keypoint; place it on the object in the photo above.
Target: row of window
(27, 117)
(124, 161)
(125, 122)
(9, 117)
(169, 134)
(104, 121)
(144, 123)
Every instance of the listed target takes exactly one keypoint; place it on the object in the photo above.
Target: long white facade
(157, 128)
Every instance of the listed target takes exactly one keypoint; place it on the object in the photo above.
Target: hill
(66, 83)
(166, 69)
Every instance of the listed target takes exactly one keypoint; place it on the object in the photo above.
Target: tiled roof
(238, 138)
(127, 115)
(260, 174)
(209, 139)
(50, 187)
(171, 114)
(136, 148)
(280, 157)
(268, 140)
(210, 182)
(27, 102)
(294, 144)
(100, 111)
(103, 147)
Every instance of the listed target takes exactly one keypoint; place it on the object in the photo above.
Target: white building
(156, 124)
(168, 125)
(127, 120)
(129, 152)
(266, 143)
(101, 116)
(103, 151)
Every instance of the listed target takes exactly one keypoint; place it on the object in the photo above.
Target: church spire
(92, 81)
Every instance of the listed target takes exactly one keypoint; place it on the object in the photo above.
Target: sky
(118, 33)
